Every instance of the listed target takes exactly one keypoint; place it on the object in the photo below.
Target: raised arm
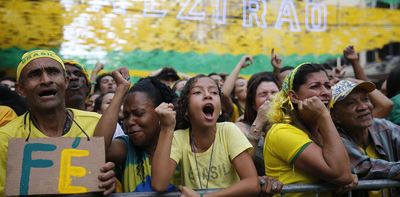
(109, 120)
(162, 166)
(329, 161)
(97, 68)
(276, 63)
(230, 80)
(350, 54)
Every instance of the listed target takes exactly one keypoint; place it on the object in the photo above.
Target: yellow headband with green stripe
(35, 54)
(287, 84)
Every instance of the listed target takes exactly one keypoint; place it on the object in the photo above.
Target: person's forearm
(276, 71)
(368, 168)
(159, 174)
(256, 130)
(382, 104)
(333, 151)
(229, 83)
(245, 187)
(108, 121)
(358, 70)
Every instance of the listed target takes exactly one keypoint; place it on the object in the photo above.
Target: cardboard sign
(54, 165)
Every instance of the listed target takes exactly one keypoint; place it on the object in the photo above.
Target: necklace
(193, 146)
(66, 128)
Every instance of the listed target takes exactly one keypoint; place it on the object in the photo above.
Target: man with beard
(41, 79)
(78, 87)
(372, 144)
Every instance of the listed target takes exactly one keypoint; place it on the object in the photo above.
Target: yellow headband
(287, 84)
(81, 67)
(35, 54)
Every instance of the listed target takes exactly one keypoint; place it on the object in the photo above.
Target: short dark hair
(98, 81)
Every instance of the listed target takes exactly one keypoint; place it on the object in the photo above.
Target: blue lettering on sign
(28, 163)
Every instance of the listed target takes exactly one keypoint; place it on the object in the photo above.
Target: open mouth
(73, 86)
(208, 110)
(48, 93)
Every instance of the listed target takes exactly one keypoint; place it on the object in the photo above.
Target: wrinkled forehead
(40, 63)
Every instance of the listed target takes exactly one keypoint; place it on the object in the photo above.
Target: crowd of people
(170, 131)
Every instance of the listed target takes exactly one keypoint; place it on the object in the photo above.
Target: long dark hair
(182, 121)
(255, 80)
(157, 92)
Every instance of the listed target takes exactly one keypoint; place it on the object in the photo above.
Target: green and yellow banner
(193, 36)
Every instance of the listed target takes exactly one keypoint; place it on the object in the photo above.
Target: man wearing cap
(41, 79)
(370, 142)
(79, 85)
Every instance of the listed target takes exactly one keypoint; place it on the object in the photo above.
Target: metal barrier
(316, 188)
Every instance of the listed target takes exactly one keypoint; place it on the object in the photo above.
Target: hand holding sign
(57, 166)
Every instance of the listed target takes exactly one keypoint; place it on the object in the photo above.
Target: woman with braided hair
(133, 152)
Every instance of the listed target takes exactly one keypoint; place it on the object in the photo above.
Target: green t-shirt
(394, 115)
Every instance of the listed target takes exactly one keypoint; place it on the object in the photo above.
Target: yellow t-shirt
(235, 113)
(6, 115)
(15, 129)
(371, 152)
(283, 144)
(229, 143)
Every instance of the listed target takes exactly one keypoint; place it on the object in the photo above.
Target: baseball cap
(344, 87)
